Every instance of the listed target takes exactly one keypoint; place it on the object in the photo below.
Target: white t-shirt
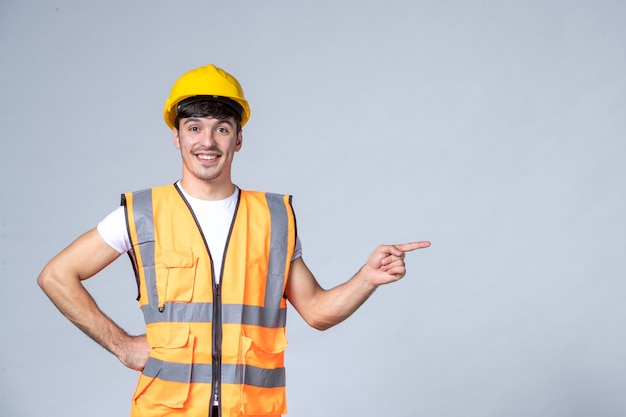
(214, 217)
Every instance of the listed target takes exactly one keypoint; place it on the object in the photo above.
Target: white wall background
(495, 129)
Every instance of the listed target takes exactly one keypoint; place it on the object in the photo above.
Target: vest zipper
(216, 368)
(217, 346)
(217, 318)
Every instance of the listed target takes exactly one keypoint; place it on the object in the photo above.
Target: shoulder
(149, 193)
(266, 198)
(269, 194)
(167, 187)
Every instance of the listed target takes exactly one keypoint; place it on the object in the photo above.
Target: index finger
(408, 247)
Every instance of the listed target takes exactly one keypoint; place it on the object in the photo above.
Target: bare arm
(322, 308)
(61, 281)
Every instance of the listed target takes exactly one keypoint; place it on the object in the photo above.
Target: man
(214, 266)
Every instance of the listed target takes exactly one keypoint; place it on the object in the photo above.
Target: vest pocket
(176, 275)
(165, 381)
(168, 335)
(263, 377)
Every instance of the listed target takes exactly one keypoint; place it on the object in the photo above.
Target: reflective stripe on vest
(231, 314)
(144, 209)
(231, 374)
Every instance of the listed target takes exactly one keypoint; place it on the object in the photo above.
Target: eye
(222, 129)
(194, 129)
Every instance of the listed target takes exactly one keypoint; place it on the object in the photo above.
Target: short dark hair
(207, 108)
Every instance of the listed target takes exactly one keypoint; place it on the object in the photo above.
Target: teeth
(207, 157)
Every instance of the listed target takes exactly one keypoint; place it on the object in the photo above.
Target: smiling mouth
(208, 158)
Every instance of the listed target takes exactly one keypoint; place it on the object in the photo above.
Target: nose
(208, 138)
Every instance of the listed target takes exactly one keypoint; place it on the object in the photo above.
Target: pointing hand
(386, 264)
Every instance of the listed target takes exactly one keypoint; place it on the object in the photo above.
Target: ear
(239, 142)
(176, 138)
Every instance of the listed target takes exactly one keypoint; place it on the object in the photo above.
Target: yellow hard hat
(205, 81)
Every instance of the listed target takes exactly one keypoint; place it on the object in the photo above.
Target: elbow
(44, 280)
(319, 318)
(319, 323)
(47, 279)
(321, 327)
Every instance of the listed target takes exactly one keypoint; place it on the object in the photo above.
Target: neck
(207, 190)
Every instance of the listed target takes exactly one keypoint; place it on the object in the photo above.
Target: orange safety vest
(211, 343)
